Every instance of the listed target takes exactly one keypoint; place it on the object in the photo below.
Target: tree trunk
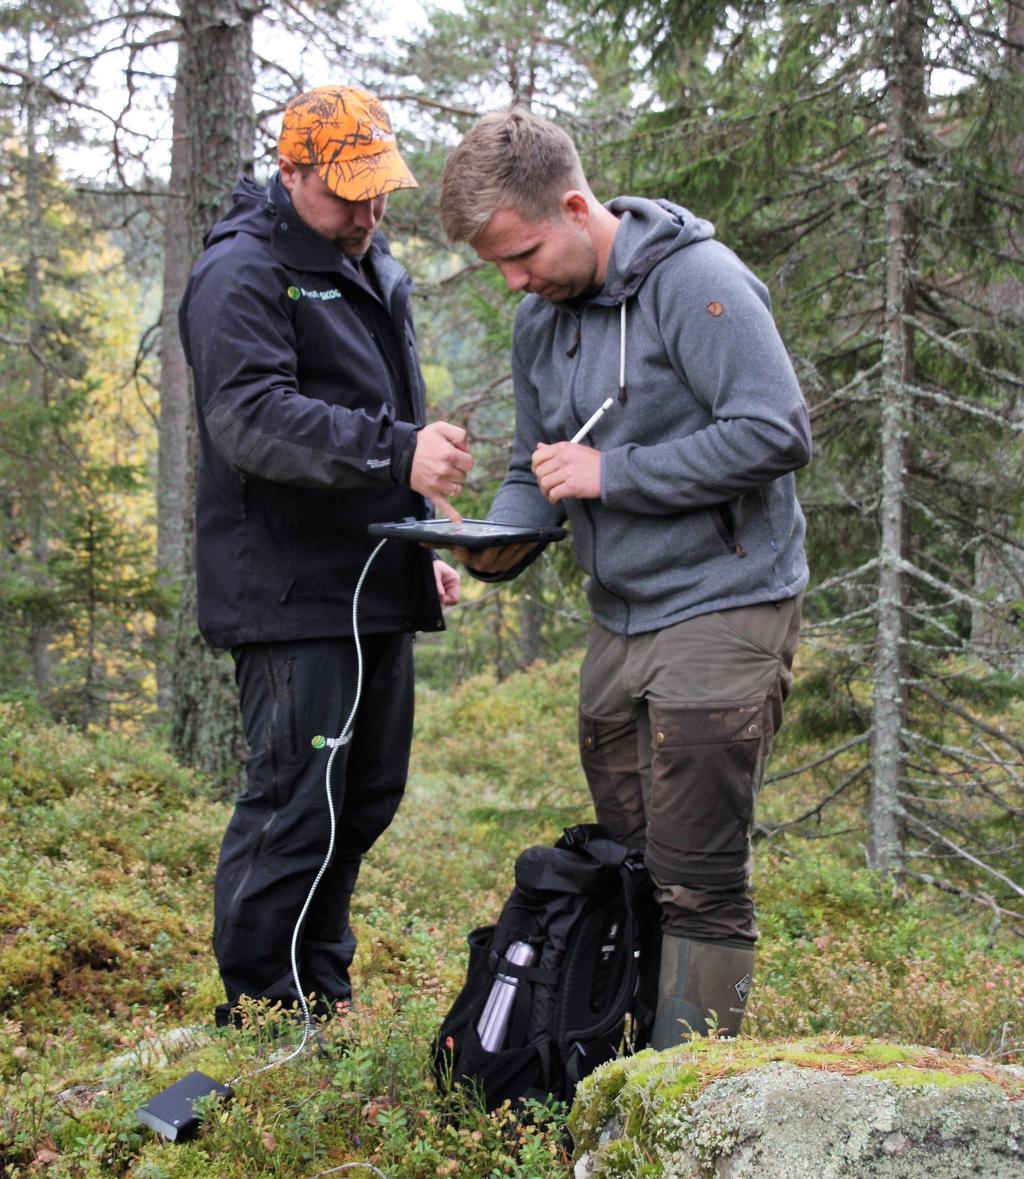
(218, 76)
(905, 83)
(173, 480)
(531, 616)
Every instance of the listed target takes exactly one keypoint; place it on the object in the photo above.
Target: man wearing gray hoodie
(683, 513)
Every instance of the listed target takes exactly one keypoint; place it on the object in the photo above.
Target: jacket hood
(649, 231)
(266, 212)
(252, 211)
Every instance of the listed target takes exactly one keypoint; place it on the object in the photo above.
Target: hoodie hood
(649, 231)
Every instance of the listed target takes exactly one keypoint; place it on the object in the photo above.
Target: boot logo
(742, 988)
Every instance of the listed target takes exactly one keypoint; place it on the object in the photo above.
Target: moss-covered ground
(107, 852)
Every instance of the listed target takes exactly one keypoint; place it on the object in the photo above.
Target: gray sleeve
(716, 323)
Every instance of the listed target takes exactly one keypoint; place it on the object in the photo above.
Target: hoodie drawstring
(622, 353)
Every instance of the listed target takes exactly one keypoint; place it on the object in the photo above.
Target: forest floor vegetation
(107, 980)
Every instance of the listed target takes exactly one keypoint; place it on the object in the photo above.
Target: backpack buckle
(581, 833)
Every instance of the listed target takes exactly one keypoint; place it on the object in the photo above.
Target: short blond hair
(509, 160)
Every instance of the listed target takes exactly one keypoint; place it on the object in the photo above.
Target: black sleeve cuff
(403, 447)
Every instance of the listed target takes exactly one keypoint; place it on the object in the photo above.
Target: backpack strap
(573, 837)
(629, 879)
(534, 974)
(610, 854)
(593, 840)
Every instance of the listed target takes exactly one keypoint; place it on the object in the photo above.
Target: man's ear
(289, 173)
(576, 206)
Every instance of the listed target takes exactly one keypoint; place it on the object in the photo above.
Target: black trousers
(278, 836)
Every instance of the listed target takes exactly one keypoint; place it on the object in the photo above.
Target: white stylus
(589, 424)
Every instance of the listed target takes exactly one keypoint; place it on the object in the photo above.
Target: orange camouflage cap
(346, 134)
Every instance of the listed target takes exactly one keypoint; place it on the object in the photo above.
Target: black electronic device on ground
(172, 1111)
(469, 534)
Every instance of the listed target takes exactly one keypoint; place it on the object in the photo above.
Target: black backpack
(583, 912)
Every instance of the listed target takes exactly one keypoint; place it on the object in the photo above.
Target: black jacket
(308, 396)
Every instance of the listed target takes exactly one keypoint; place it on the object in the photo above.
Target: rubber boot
(697, 979)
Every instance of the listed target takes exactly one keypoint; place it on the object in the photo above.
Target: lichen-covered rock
(813, 1109)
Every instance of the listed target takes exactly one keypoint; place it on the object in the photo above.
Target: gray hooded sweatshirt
(698, 509)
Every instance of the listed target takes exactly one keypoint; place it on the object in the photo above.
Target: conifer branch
(964, 854)
(1003, 376)
(956, 890)
(827, 756)
(816, 810)
(974, 721)
(947, 400)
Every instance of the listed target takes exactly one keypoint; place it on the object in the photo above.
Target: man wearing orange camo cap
(311, 420)
(345, 135)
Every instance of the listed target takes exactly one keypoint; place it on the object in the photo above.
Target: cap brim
(366, 177)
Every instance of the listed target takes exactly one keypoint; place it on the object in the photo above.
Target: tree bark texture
(905, 86)
(218, 78)
(173, 478)
(531, 617)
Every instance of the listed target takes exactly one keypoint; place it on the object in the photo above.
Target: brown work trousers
(675, 727)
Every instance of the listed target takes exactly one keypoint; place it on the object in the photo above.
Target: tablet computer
(469, 534)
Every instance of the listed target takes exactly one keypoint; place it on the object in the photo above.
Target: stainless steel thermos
(493, 1022)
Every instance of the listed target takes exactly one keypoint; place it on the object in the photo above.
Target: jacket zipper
(396, 359)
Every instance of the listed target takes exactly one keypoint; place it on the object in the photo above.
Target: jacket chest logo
(296, 293)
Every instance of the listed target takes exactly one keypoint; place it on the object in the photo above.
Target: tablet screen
(470, 534)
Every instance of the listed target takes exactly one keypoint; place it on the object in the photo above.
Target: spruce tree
(864, 158)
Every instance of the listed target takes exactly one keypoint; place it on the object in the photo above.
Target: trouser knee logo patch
(742, 988)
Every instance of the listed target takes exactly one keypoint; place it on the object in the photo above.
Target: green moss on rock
(715, 1107)
(939, 1078)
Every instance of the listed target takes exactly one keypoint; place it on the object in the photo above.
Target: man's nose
(364, 214)
(516, 277)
